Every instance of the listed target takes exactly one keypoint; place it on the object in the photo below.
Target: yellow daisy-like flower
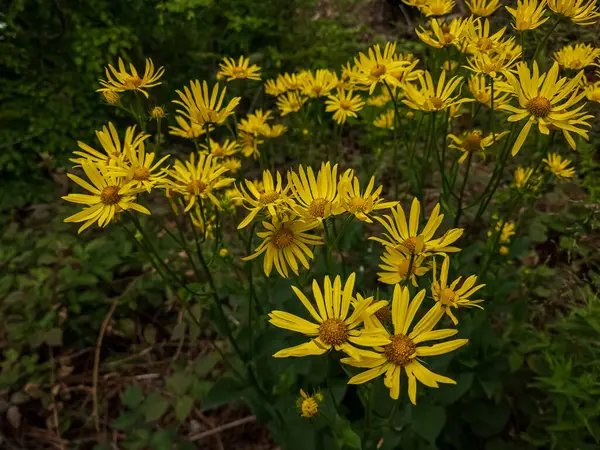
(158, 112)
(343, 105)
(335, 328)
(198, 179)
(240, 70)
(483, 8)
(528, 15)
(477, 38)
(592, 92)
(205, 224)
(131, 81)
(482, 91)
(474, 142)
(290, 102)
(377, 67)
(407, 238)
(415, 3)
(140, 171)
(275, 130)
(404, 351)
(316, 197)
(540, 98)
(114, 152)
(493, 63)
(233, 165)
(396, 265)
(386, 120)
(286, 242)
(429, 97)
(204, 107)
(437, 7)
(109, 195)
(449, 296)
(559, 166)
(249, 144)
(577, 57)
(508, 231)
(255, 123)
(522, 176)
(272, 197)
(380, 100)
(318, 84)
(292, 81)
(111, 97)
(274, 88)
(443, 35)
(449, 65)
(581, 12)
(187, 130)
(361, 205)
(218, 150)
(308, 406)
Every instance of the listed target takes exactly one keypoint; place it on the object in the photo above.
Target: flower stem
(542, 43)
(394, 134)
(462, 190)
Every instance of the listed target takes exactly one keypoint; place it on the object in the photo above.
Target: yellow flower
(395, 267)
(275, 130)
(361, 205)
(448, 296)
(249, 144)
(139, 170)
(291, 102)
(343, 105)
(109, 196)
(529, 14)
(308, 406)
(443, 35)
(256, 123)
(592, 92)
(404, 352)
(231, 164)
(483, 8)
(111, 97)
(218, 150)
(492, 63)
(186, 130)
(522, 176)
(380, 100)
(316, 198)
(203, 107)
(503, 250)
(377, 67)
(540, 100)
(430, 97)
(318, 84)
(205, 224)
(335, 327)
(274, 88)
(449, 65)
(477, 38)
(286, 242)
(273, 197)
(581, 12)
(474, 142)
(197, 180)
(240, 70)
(130, 81)
(385, 120)
(437, 7)
(223, 253)
(406, 237)
(559, 166)
(508, 230)
(114, 152)
(415, 3)
(158, 112)
(292, 81)
(577, 57)
(482, 91)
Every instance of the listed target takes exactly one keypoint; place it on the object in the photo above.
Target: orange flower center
(196, 187)
(378, 70)
(357, 204)
(333, 332)
(345, 104)
(447, 296)
(110, 195)
(317, 90)
(141, 174)
(268, 197)
(410, 244)
(238, 72)
(539, 107)
(484, 44)
(448, 37)
(132, 82)
(283, 238)
(317, 207)
(472, 142)
(383, 314)
(400, 350)
(437, 102)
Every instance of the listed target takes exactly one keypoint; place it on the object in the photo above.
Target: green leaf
(200, 388)
(155, 406)
(225, 390)
(150, 334)
(132, 397)
(205, 365)
(428, 421)
(183, 407)
(179, 382)
(450, 393)
(349, 438)
(54, 337)
(163, 439)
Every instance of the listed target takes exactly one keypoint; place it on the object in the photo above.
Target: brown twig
(227, 426)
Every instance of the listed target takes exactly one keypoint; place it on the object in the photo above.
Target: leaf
(183, 407)
(205, 365)
(163, 439)
(150, 334)
(179, 383)
(450, 393)
(349, 438)
(225, 390)
(200, 388)
(155, 406)
(515, 361)
(179, 331)
(54, 337)
(132, 397)
(428, 421)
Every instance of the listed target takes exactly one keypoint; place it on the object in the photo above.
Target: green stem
(410, 266)
(491, 124)
(394, 136)
(328, 247)
(462, 191)
(542, 43)
(522, 36)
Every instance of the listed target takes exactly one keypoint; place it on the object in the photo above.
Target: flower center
(448, 37)
(484, 44)
(239, 72)
(410, 244)
(595, 96)
(310, 408)
(196, 187)
(132, 82)
(282, 238)
(217, 150)
(539, 107)
(268, 197)
(110, 195)
(333, 332)
(400, 350)
(447, 296)
(345, 104)
(317, 207)
(472, 142)
(317, 90)
(437, 102)
(489, 68)
(437, 10)
(576, 64)
(141, 173)
(378, 70)
(158, 112)
(357, 204)
(383, 314)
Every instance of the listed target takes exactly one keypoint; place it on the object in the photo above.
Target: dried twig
(227, 426)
